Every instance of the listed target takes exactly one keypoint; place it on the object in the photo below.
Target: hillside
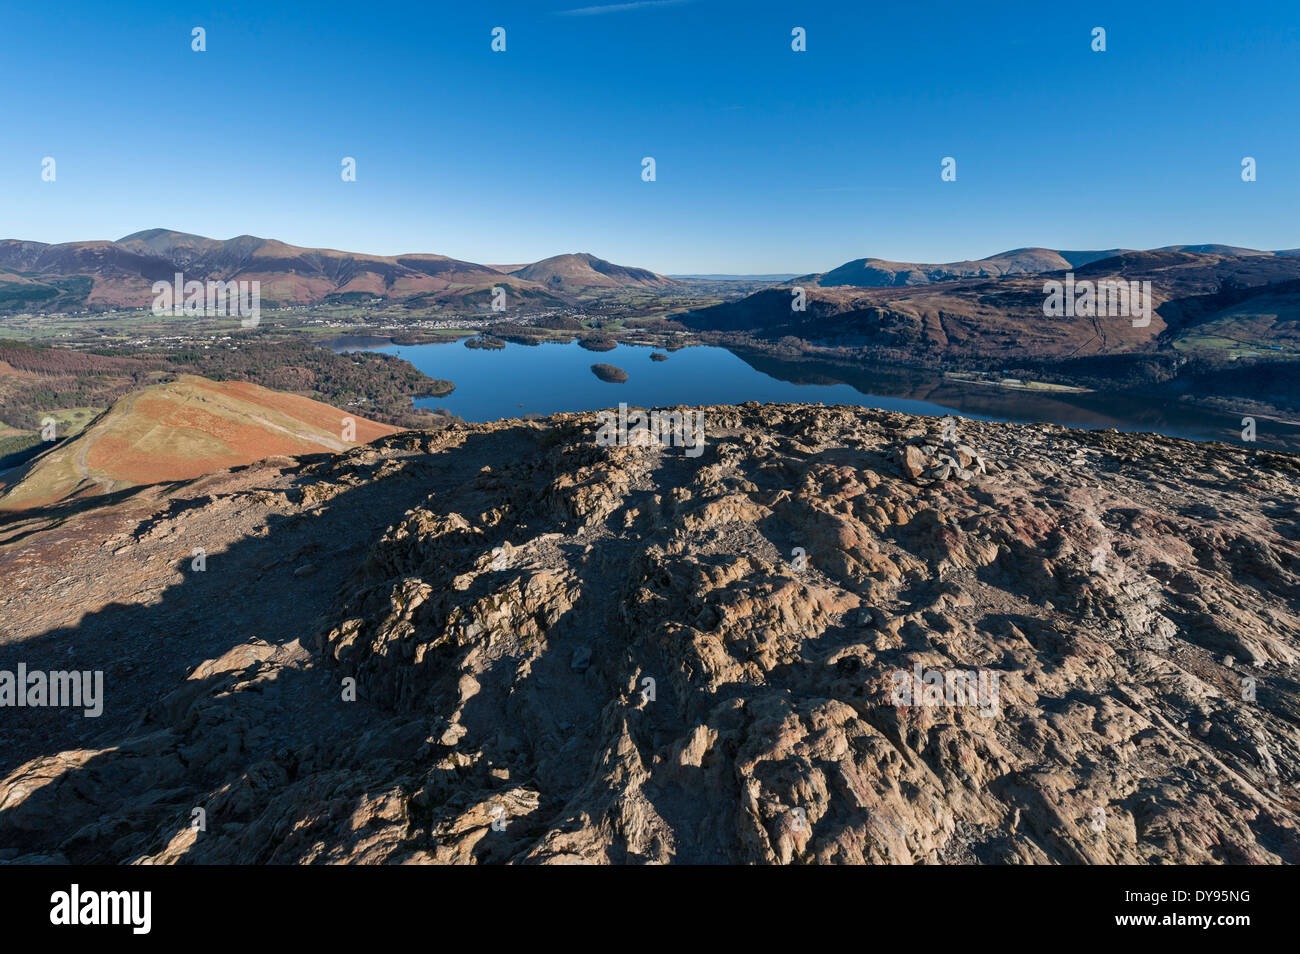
(1240, 319)
(998, 320)
(569, 652)
(178, 431)
(578, 271)
(121, 273)
(1183, 273)
(880, 273)
(1002, 319)
(72, 275)
(1190, 259)
(41, 381)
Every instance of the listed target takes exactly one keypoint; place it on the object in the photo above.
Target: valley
(1221, 341)
(466, 619)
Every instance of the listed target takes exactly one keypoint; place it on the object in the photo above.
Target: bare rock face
(833, 636)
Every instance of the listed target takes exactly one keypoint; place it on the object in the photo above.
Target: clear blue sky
(768, 160)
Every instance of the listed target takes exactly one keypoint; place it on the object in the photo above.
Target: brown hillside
(181, 430)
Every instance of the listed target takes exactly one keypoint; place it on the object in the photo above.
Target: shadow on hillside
(24, 523)
(145, 652)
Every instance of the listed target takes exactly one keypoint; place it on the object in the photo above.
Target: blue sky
(767, 160)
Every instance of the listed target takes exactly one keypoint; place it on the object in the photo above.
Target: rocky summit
(836, 635)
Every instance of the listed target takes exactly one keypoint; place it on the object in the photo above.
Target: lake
(553, 377)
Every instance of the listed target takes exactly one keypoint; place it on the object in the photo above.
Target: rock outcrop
(835, 636)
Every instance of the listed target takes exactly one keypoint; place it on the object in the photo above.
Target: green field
(1233, 347)
(17, 445)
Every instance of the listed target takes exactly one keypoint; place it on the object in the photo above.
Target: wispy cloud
(619, 7)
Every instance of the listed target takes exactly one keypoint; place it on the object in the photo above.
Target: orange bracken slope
(185, 429)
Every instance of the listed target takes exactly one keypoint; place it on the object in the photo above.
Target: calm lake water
(548, 378)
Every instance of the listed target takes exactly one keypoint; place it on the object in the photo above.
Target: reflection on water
(548, 378)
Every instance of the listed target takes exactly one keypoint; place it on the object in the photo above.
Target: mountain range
(876, 272)
(35, 276)
(99, 274)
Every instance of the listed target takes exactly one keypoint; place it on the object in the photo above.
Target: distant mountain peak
(146, 234)
(576, 270)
